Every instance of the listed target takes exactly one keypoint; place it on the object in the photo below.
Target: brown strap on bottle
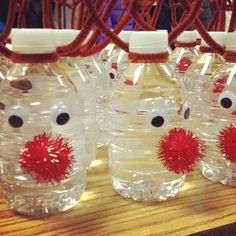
(148, 58)
(207, 49)
(34, 58)
(230, 56)
(185, 45)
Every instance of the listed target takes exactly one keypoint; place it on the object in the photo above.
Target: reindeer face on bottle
(41, 122)
(220, 98)
(158, 116)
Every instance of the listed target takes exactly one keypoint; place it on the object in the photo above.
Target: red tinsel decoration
(227, 142)
(47, 159)
(180, 150)
(184, 64)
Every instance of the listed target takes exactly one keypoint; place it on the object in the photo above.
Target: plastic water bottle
(101, 75)
(42, 130)
(197, 76)
(111, 49)
(184, 54)
(218, 120)
(86, 87)
(144, 113)
(117, 63)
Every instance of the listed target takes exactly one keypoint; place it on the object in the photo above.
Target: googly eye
(60, 115)
(158, 118)
(16, 116)
(185, 110)
(227, 99)
(112, 74)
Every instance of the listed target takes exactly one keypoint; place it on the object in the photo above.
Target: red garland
(185, 45)
(180, 150)
(104, 43)
(232, 23)
(203, 32)
(148, 58)
(192, 15)
(47, 159)
(34, 58)
(103, 27)
(72, 47)
(134, 9)
(106, 14)
(227, 142)
(230, 56)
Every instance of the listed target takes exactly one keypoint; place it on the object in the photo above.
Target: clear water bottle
(144, 116)
(42, 130)
(117, 63)
(197, 76)
(86, 87)
(218, 120)
(101, 75)
(184, 54)
(111, 49)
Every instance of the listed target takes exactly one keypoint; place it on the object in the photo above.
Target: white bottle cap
(148, 42)
(125, 35)
(187, 37)
(231, 42)
(64, 36)
(33, 41)
(218, 36)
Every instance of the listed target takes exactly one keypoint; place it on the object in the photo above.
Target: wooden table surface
(201, 206)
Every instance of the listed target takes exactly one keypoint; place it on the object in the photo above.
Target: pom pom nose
(227, 142)
(47, 159)
(180, 150)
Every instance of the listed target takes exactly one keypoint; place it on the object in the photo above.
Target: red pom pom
(180, 150)
(47, 159)
(227, 142)
(184, 64)
(219, 84)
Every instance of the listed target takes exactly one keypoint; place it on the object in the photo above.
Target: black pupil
(112, 76)
(186, 113)
(158, 121)
(63, 118)
(226, 102)
(15, 121)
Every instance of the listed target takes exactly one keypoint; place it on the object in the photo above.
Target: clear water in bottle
(134, 169)
(196, 80)
(184, 54)
(102, 77)
(116, 65)
(41, 113)
(218, 113)
(86, 88)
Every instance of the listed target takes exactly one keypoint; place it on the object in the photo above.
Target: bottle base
(147, 191)
(40, 201)
(219, 174)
